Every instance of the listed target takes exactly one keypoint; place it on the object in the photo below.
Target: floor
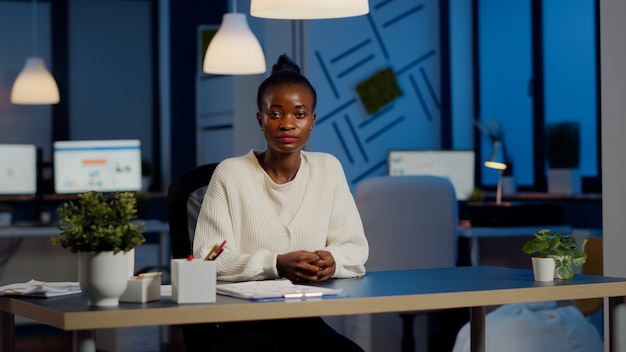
(37, 338)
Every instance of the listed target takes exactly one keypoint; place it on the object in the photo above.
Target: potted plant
(563, 155)
(100, 230)
(563, 250)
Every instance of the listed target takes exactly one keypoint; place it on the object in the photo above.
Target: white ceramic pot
(103, 277)
(564, 181)
(543, 269)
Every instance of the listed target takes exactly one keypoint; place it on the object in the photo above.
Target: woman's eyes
(278, 114)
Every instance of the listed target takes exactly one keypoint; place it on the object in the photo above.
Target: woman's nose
(287, 122)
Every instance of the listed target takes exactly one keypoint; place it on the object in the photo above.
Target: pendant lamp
(234, 50)
(35, 85)
(308, 9)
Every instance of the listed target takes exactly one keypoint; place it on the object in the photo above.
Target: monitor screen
(18, 169)
(456, 165)
(97, 165)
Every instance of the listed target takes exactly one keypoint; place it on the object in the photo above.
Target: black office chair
(184, 199)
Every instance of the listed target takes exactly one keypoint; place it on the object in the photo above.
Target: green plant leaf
(97, 223)
(563, 247)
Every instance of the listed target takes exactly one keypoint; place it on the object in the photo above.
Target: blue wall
(401, 35)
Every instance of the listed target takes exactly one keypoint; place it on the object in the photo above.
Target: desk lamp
(496, 161)
(234, 50)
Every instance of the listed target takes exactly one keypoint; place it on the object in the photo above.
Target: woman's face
(286, 117)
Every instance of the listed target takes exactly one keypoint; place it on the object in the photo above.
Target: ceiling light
(35, 84)
(308, 9)
(234, 50)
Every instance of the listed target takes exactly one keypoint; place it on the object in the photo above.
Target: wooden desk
(474, 287)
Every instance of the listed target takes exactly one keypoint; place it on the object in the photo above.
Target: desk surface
(53, 230)
(509, 231)
(377, 292)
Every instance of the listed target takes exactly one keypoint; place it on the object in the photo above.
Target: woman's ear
(259, 120)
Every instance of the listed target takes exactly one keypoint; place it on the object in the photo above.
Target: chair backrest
(410, 221)
(184, 199)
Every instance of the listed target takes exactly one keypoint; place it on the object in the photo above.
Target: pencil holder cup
(193, 281)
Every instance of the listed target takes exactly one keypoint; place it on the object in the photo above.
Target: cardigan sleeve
(346, 237)
(215, 224)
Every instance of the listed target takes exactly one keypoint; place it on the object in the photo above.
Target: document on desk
(274, 289)
(40, 289)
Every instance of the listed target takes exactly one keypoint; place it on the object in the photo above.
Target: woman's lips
(287, 139)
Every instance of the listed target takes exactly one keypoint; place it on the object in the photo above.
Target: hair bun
(285, 63)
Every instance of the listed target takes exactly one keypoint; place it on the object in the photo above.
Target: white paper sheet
(269, 289)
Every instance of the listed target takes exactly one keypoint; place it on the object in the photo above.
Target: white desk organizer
(142, 289)
(193, 281)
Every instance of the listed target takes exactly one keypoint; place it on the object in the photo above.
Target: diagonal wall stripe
(415, 62)
(370, 171)
(377, 36)
(343, 143)
(382, 4)
(420, 98)
(341, 107)
(355, 66)
(384, 129)
(377, 115)
(328, 77)
(403, 15)
(431, 91)
(355, 135)
(350, 51)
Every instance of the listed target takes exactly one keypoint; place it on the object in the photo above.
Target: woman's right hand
(299, 266)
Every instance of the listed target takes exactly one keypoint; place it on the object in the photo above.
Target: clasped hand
(305, 266)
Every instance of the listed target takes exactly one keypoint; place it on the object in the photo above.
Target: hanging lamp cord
(35, 27)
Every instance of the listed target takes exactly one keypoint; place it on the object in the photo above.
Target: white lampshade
(308, 9)
(35, 85)
(234, 50)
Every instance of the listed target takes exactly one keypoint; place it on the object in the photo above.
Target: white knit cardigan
(240, 206)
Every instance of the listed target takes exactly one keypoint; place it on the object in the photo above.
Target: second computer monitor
(97, 165)
(18, 169)
(456, 165)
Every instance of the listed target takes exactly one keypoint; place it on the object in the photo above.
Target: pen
(302, 295)
(218, 251)
(208, 256)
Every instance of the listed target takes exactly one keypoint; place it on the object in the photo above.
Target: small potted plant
(100, 230)
(563, 155)
(563, 250)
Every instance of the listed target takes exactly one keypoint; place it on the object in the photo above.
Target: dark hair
(284, 71)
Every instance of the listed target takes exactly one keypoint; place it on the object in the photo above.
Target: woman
(284, 213)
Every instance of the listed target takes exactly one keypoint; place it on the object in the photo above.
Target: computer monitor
(18, 169)
(456, 165)
(97, 165)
